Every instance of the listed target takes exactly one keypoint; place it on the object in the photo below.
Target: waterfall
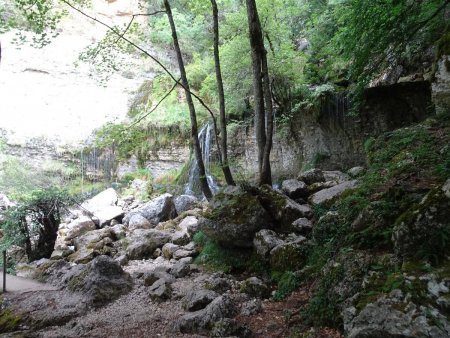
(193, 187)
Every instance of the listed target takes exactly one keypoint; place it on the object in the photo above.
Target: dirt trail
(21, 285)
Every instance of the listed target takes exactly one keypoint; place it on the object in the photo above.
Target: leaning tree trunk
(194, 128)
(259, 63)
(223, 123)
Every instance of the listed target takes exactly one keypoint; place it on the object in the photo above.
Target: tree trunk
(194, 129)
(266, 174)
(223, 123)
(259, 68)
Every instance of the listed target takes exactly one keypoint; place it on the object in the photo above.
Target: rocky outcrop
(102, 281)
(441, 85)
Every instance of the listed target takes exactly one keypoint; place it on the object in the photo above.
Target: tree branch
(155, 107)
(143, 51)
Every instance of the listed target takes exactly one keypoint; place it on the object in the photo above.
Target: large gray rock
(151, 277)
(185, 202)
(335, 176)
(107, 197)
(180, 269)
(198, 299)
(201, 322)
(143, 242)
(356, 172)
(295, 188)
(5, 203)
(158, 210)
(186, 229)
(137, 221)
(107, 214)
(312, 176)
(395, 317)
(79, 227)
(290, 256)
(169, 249)
(160, 290)
(264, 241)
(302, 226)
(102, 281)
(91, 244)
(328, 196)
(283, 209)
(233, 219)
(255, 287)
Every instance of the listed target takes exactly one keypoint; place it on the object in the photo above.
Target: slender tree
(262, 94)
(223, 120)
(194, 128)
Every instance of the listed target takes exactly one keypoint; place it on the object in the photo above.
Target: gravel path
(21, 285)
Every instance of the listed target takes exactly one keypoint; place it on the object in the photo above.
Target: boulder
(92, 244)
(294, 188)
(335, 176)
(107, 214)
(180, 269)
(198, 299)
(185, 202)
(283, 209)
(79, 227)
(394, 316)
(264, 241)
(5, 203)
(202, 321)
(189, 225)
(151, 277)
(302, 226)
(119, 231)
(255, 287)
(158, 210)
(160, 290)
(315, 187)
(101, 281)
(218, 282)
(356, 172)
(143, 242)
(290, 256)
(182, 253)
(327, 196)
(137, 221)
(251, 307)
(233, 219)
(169, 249)
(312, 176)
(106, 198)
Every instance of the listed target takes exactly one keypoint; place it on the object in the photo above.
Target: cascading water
(206, 137)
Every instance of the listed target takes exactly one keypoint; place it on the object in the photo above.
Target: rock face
(441, 87)
(327, 196)
(234, 219)
(102, 281)
(157, 210)
(143, 242)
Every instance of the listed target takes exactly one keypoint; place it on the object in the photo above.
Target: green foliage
(36, 217)
(218, 258)
(9, 321)
(287, 282)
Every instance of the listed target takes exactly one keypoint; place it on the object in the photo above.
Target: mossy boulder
(101, 281)
(423, 231)
(290, 256)
(233, 219)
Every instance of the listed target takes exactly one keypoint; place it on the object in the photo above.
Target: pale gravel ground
(132, 315)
